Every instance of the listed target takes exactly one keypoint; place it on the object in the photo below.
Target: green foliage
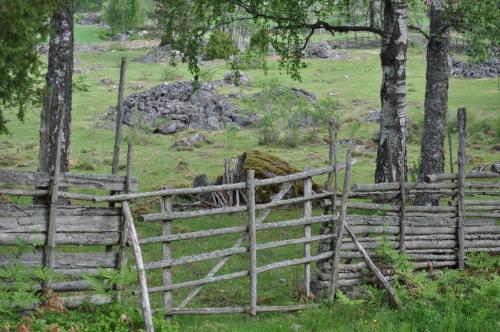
(267, 133)
(479, 129)
(400, 262)
(249, 60)
(207, 74)
(124, 15)
(83, 6)
(259, 41)
(80, 84)
(23, 26)
(170, 74)
(106, 280)
(18, 281)
(220, 46)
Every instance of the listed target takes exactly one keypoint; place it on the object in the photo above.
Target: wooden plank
(192, 214)
(194, 235)
(307, 235)
(451, 177)
(339, 232)
(295, 261)
(462, 141)
(23, 192)
(96, 181)
(292, 201)
(103, 238)
(67, 224)
(146, 308)
(206, 311)
(65, 260)
(172, 192)
(75, 301)
(296, 222)
(252, 241)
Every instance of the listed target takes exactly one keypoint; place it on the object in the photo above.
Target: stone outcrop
(169, 108)
(474, 70)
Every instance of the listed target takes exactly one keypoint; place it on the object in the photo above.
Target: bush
(220, 46)
(267, 132)
(259, 42)
(124, 15)
(249, 60)
(170, 74)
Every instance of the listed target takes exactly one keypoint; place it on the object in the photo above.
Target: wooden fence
(75, 227)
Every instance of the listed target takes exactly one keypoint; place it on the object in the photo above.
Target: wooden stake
(340, 230)
(122, 254)
(166, 207)
(450, 148)
(462, 141)
(54, 189)
(402, 178)
(119, 117)
(146, 308)
(252, 241)
(392, 294)
(307, 235)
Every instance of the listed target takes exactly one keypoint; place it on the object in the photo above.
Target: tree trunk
(436, 98)
(393, 91)
(59, 90)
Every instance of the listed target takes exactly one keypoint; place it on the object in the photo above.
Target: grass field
(351, 87)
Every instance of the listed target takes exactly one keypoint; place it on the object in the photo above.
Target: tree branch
(418, 29)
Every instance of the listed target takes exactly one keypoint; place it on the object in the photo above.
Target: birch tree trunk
(59, 89)
(393, 91)
(436, 98)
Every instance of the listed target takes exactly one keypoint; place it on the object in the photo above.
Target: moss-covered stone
(268, 166)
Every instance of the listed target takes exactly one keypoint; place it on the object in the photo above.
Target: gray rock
(237, 78)
(107, 81)
(137, 86)
(301, 93)
(236, 95)
(89, 18)
(193, 140)
(322, 50)
(183, 107)
(157, 55)
(474, 70)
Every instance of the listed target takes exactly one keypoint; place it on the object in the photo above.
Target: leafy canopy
(124, 15)
(286, 24)
(23, 26)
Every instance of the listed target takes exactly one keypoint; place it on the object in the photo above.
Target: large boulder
(169, 108)
(237, 78)
(268, 166)
(321, 50)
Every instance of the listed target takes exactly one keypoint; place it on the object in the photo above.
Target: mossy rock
(268, 166)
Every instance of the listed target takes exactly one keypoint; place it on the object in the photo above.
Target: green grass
(354, 84)
(87, 34)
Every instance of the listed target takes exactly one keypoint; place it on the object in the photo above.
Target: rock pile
(169, 108)
(474, 70)
(157, 55)
(89, 18)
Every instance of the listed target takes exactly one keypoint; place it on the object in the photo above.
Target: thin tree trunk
(436, 98)
(393, 90)
(59, 90)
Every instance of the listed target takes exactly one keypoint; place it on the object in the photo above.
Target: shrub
(249, 60)
(80, 84)
(170, 74)
(220, 46)
(259, 42)
(267, 132)
(124, 15)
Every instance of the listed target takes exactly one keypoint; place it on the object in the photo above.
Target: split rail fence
(71, 239)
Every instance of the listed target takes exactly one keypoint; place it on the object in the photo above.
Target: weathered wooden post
(450, 148)
(139, 262)
(166, 207)
(462, 141)
(340, 228)
(119, 117)
(402, 179)
(307, 234)
(54, 191)
(122, 253)
(252, 238)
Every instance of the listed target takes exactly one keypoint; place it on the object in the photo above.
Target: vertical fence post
(166, 207)
(252, 238)
(462, 140)
(450, 148)
(402, 179)
(119, 116)
(122, 253)
(54, 189)
(340, 228)
(307, 235)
